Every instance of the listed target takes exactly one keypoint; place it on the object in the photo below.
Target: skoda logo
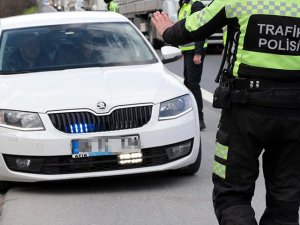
(101, 105)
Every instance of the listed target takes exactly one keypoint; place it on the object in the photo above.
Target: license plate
(102, 146)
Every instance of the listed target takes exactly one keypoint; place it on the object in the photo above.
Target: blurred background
(17, 7)
(139, 12)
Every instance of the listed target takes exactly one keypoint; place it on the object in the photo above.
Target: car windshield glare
(72, 46)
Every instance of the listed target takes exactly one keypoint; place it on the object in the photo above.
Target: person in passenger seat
(89, 54)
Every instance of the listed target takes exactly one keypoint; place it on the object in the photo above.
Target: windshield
(72, 46)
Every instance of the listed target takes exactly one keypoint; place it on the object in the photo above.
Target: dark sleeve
(199, 45)
(193, 29)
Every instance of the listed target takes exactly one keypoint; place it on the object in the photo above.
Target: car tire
(4, 186)
(191, 169)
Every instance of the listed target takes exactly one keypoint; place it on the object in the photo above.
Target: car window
(72, 46)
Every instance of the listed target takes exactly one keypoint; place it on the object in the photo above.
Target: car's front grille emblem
(101, 105)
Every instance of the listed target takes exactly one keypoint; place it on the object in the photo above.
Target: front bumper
(54, 149)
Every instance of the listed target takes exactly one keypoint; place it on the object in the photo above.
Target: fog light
(23, 163)
(179, 150)
(130, 158)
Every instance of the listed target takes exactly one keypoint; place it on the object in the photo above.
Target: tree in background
(15, 7)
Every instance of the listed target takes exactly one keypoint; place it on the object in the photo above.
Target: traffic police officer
(193, 56)
(112, 5)
(261, 104)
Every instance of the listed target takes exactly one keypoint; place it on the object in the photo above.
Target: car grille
(87, 122)
(54, 165)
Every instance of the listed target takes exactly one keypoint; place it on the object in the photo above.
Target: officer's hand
(197, 59)
(161, 22)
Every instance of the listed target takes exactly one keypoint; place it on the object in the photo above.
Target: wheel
(4, 186)
(191, 169)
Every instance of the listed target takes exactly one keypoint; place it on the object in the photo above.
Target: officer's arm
(199, 45)
(198, 26)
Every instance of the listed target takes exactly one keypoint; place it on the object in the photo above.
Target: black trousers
(245, 132)
(192, 77)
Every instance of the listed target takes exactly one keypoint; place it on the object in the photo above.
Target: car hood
(84, 88)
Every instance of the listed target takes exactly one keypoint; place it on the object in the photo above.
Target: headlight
(175, 107)
(20, 120)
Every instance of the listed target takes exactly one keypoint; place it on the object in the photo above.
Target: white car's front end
(67, 103)
(120, 112)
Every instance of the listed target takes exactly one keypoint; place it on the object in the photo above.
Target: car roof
(56, 18)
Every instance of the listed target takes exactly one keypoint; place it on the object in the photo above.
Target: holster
(221, 98)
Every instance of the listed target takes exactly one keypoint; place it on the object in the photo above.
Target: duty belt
(263, 84)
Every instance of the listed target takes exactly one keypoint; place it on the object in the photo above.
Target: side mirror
(170, 54)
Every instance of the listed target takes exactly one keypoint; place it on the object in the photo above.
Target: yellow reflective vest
(184, 11)
(113, 7)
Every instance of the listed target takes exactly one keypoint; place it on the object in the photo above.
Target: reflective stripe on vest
(187, 47)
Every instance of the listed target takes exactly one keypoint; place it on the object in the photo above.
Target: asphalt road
(211, 67)
(149, 199)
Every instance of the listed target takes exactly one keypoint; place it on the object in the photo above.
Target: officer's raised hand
(161, 21)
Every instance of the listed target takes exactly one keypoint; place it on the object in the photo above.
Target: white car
(83, 94)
